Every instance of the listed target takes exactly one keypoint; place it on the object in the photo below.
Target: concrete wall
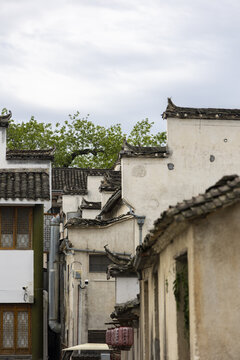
(150, 187)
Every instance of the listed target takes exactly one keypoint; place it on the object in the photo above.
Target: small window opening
(98, 263)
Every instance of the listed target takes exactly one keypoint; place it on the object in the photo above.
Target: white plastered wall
(127, 289)
(93, 183)
(150, 187)
(16, 272)
(90, 308)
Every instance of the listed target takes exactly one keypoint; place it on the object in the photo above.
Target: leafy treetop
(79, 142)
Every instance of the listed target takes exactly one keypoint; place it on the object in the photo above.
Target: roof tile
(173, 111)
(29, 184)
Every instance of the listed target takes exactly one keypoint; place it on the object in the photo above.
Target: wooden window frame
(15, 219)
(15, 309)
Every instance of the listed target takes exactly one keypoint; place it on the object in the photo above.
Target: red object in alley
(120, 337)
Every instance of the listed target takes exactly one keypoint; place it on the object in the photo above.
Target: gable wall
(150, 187)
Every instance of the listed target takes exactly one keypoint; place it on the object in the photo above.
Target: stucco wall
(71, 203)
(89, 308)
(93, 183)
(165, 266)
(213, 248)
(150, 187)
(217, 286)
(127, 289)
(18, 265)
(90, 213)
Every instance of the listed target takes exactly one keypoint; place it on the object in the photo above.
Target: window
(97, 336)
(15, 227)
(15, 329)
(98, 263)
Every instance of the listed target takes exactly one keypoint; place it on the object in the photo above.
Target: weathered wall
(126, 289)
(93, 183)
(89, 308)
(71, 203)
(90, 213)
(213, 247)
(216, 285)
(150, 187)
(165, 266)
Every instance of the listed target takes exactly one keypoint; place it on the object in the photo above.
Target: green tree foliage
(79, 142)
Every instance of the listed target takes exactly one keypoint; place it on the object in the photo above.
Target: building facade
(25, 191)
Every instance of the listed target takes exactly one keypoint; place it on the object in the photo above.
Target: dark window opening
(97, 336)
(98, 263)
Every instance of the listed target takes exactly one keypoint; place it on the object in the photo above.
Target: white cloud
(117, 59)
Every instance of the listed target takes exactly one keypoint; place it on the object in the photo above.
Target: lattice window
(16, 227)
(47, 232)
(22, 330)
(7, 227)
(15, 329)
(8, 329)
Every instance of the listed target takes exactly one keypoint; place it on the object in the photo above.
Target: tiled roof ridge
(81, 222)
(129, 150)
(94, 205)
(140, 148)
(111, 181)
(111, 202)
(74, 180)
(174, 111)
(84, 169)
(224, 193)
(30, 184)
(115, 258)
(123, 308)
(4, 119)
(41, 154)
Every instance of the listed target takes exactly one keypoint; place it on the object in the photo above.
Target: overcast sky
(117, 60)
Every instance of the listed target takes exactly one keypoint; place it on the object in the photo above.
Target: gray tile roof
(73, 180)
(47, 154)
(125, 309)
(92, 205)
(111, 181)
(30, 184)
(224, 193)
(111, 202)
(173, 111)
(85, 223)
(143, 151)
